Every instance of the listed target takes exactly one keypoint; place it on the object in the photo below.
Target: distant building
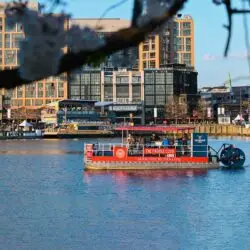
(227, 102)
(169, 87)
(174, 44)
(123, 87)
(68, 110)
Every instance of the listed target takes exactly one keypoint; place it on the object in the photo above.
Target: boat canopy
(155, 128)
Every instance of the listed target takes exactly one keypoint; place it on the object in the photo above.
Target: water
(48, 202)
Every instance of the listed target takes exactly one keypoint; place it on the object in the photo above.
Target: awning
(155, 128)
(103, 104)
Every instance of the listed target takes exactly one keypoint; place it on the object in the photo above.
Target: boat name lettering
(164, 151)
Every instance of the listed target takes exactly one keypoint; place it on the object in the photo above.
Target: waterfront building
(120, 86)
(170, 92)
(227, 102)
(67, 111)
(36, 94)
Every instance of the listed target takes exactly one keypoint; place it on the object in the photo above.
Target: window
(95, 90)
(169, 89)
(145, 47)
(74, 90)
(152, 55)
(7, 43)
(95, 78)
(60, 89)
(188, 48)
(149, 100)
(187, 25)
(1, 56)
(108, 92)
(30, 90)
(40, 89)
(160, 100)
(85, 78)
(159, 89)
(186, 32)
(136, 79)
(160, 78)
(108, 79)
(122, 79)
(152, 64)
(122, 91)
(20, 92)
(50, 90)
(188, 41)
(10, 57)
(1, 24)
(149, 89)
(16, 38)
(37, 102)
(136, 92)
(1, 44)
(149, 78)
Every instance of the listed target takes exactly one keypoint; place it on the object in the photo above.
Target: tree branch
(122, 39)
(137, 11)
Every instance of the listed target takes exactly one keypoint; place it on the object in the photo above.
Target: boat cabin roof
(155, 128)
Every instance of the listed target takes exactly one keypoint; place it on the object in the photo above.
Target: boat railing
(150, 149)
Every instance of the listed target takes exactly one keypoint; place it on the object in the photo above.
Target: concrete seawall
(226, 130)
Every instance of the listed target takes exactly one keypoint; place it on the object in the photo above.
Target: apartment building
(32, 95)
(174, 44)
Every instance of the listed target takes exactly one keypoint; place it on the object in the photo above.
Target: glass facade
(161, 85)
(85, 85)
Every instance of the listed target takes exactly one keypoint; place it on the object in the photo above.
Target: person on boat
(130, 140)
(165, 142)
(154, 138)
(185, 143)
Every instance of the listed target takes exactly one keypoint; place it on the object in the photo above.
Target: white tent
(239, 118)
(25, 124)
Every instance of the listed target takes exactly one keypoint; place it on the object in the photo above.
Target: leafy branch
(122, 39)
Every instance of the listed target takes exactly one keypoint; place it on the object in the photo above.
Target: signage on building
(8, 113)
(209, 112)
(221, 111)
(155, 112)
(123, 108)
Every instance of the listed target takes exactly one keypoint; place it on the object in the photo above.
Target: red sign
(153, 159)
(169, 152)
(120, 152)
(89, 150)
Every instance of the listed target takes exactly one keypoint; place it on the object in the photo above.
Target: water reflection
(122, 175)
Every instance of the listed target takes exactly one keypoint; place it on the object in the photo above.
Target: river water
(49, 202)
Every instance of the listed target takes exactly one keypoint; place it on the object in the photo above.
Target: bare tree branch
(247, 42)
(137, 10)
(122, 39)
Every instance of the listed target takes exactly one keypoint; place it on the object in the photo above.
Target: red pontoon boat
(170, 147)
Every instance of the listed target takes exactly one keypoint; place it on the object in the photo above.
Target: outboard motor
(232, 157)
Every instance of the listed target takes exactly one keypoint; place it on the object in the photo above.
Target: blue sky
(210, 37)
